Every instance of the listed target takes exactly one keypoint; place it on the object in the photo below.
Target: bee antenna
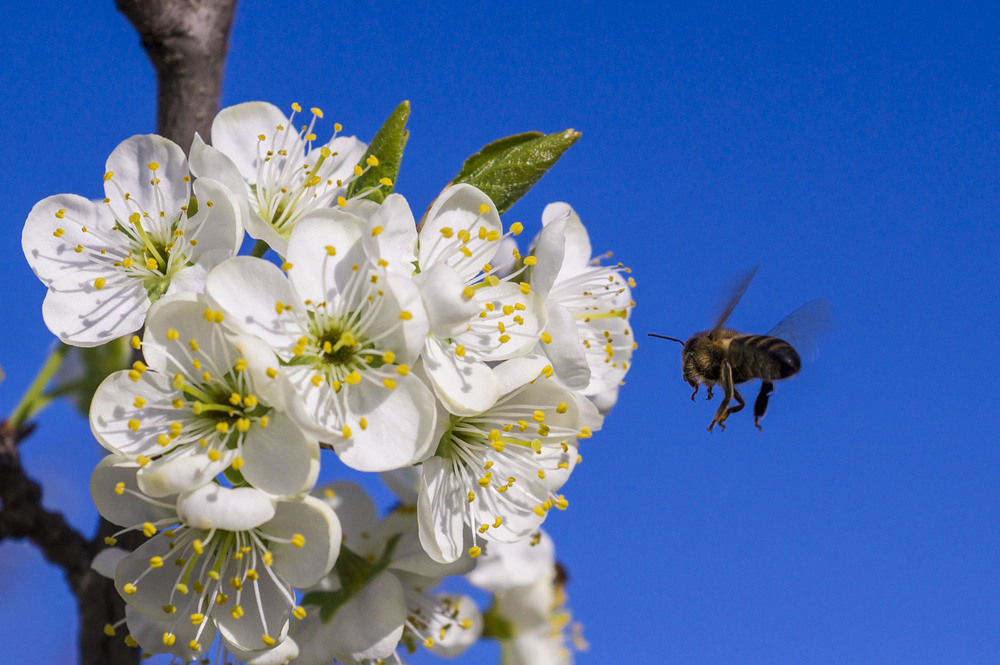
(672, 339)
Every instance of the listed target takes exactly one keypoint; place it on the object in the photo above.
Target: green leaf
(387, 148)
(507, 168)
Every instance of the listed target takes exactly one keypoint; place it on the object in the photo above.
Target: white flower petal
(520, 327)
(457, 208)
(318, 524)
(216, 225)
(316, 274)
(149, 634)
(457, 638)
(125, 508)
(405, 482)
(122, 427)
(53, 231)
(391, 234)
(282, 653)
(154, 586)
(465, 385)
(181, 471)
(230, 509)
(440, 511)
(247, 289)
(443, 292)
(354, 508)
(577, 242)
(566, 351)
(508, 565)
(369, 625)
(268, 593)
(130, 165)
(80, 314)
(236, 128)
(400, 426)
(279, 459)
(107, 560)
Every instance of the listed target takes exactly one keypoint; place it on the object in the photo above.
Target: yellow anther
(136, 343)
(286, 266)
(447, 231)
(460, 351)
(155, 562)
(109, 630)
(298, 540)
(345, 432)
(168, 609)
(337, 127)
(250, 401)
(214, 455)
(299, 612)
(341, 201)
(403, 370)
(151, 264)
(78, 249)
(497, 522)
(389, 357)
(405, 315)
(235, 399)
(119, 488)
(358, 170)
(504, 339)
(268, 559)
(541, 474)
(153, 166)
(561, 503)
(139, 403)
(483, 208)
(389, 383)
(268, 640)
(475, 551)
(197, 619)
(385, 182)
(240, 365)
(263, 422)
(238, 463)
(363, 422)
(271, 373)
(525, 288)
(148, 529)
(296, 107)
(222, 426)
(169, 639)
(99, 283)
(472, 496)
(353, 379)
(428, 642)
(585, 433)
(516, 228)
(546, 338)
(163, 440)
(372, 160)
(530, 260)
(562, 408)
(130, 588)
(539, 511)
(536, 445)
(222, 598)
(547, 371)
(316, 380)
(538, 416)
(198, 546)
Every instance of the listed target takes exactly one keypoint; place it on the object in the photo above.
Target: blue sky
(851, 151)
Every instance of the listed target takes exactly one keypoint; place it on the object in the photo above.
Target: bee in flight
(726, 357)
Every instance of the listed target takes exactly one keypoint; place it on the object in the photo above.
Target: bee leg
(740, 403)
(695, 385)
(709, 396)
(723, 411)
(760, 404)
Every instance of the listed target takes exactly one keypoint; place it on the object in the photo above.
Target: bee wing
(738, 290)
(803, 327)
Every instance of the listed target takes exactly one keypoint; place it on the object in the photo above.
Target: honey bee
(726, 357)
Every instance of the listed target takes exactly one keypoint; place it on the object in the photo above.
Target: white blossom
(278, 171)
(106, 263)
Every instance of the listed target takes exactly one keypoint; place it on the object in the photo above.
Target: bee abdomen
(763, 357)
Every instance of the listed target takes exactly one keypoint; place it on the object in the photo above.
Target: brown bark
(187, 42)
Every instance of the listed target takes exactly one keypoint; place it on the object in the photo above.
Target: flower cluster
(437, 354)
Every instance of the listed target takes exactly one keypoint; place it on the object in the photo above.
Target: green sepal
(507, 168)
(387, 147)
(495, 625)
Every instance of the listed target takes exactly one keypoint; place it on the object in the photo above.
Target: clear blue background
(851, 151)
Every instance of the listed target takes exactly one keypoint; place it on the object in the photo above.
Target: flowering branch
(187, 42)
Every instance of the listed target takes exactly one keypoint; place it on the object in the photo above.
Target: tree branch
(187, 42)
(22, 516)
